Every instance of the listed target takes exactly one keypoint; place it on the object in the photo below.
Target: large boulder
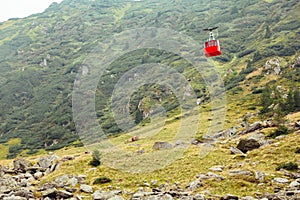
(49, 164)
(21, 165)
(248, 144)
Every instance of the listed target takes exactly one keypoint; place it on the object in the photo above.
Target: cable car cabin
(212, 48)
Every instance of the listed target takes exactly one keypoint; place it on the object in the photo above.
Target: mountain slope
(40, 56)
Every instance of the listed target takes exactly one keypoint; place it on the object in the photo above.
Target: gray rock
(146, 184)
(167, 197)
(72, 181)
(229, 197)
(24, 193)
(62, 194)
(281, 180)
(14, 198)
(81, 178)
(240, 173)
(295, 184)
(116, 197)
(248, 198)
(260, 176)
(44, 162)
(215, 176)
(21, 165)
(162, 145)
(67, 158)
(234, 150)
(49, 192)
(154, 182)
(248, 144)
(217, 168)
(102, 195)
(62, 181)
(203, 176)
(70, 189)
(199, 197)
(28, 175)
(38, 175)
(194, 185)
(86, 188)
(137, 196)
(253, 127)
(49, 164)
(186, 198)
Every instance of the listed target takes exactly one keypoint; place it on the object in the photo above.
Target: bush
(297, 150)
(288, 166)
(257, 91)
(281, 130)
(102, 180)
(245, 53)
(96, 159)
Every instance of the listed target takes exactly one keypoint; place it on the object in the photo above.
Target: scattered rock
(72, 181)
(199, 197)
(49, 164)
(21, 165)
(234, 150)
(229, 197)
(281, 180)
(260, 176)
(81, 178)
(253, 127)
(116, 197)
(240, 173)
(217, 168)
(162, 145)
(86, 188)
(248, 198)
(51, 192)
(62, 194)
(14, 198)
(101, 195)
(215, 176)
(38, 175)
(67, 158)
(295, 183)
(194, 185)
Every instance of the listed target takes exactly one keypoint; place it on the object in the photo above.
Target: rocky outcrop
(18, 182)
(253, 127)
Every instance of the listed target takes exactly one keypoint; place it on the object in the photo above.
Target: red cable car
(212, 46)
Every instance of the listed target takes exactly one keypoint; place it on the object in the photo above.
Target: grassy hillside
(40, 56)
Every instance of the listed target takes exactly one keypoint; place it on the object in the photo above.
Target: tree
(265, 100)
(297, 99)
(268, 33)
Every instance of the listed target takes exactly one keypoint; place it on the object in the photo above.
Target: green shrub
(102, 180)
(96, 160)
(297, 150)
(252, 108)
(281, 130)
(288, 166)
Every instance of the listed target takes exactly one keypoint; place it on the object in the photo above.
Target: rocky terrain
(23, 179)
